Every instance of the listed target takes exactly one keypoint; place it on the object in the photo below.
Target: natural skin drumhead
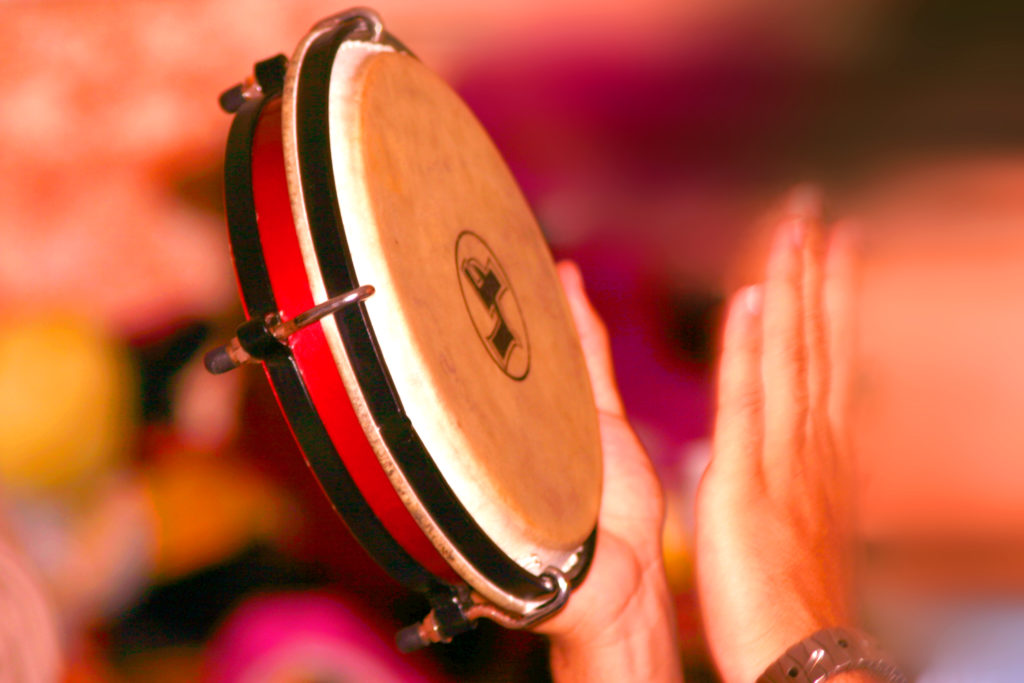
(468, 311)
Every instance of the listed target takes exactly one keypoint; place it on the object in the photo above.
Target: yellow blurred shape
(67, 404)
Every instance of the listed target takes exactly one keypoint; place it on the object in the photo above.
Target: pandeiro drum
(405, 305)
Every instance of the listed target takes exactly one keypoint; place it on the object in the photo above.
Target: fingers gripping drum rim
(409, 317)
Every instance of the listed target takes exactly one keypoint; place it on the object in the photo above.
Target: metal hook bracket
(260, 339)
(370, 20)
(269, 75)
(436, 627)
(267, 78)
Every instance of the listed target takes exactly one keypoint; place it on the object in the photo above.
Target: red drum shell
(312, 355)
(407, 481)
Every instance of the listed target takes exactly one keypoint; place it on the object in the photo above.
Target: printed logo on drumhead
(492, 305)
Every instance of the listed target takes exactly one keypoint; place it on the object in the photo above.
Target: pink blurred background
(654, 140)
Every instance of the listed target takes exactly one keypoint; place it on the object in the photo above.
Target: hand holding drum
(412, 324)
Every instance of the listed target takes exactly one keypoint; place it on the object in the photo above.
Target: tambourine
(405, 305)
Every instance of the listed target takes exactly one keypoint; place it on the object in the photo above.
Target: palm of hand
(774, 512)
(628, 537)
(628, 551)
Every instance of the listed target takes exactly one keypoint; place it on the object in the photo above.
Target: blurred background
(169, 513)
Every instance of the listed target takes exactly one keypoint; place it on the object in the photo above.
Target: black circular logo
(492, 305)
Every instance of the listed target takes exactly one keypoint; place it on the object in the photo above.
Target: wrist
(639, 643)
(594, 614)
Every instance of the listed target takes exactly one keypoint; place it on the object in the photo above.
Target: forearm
(640, 645)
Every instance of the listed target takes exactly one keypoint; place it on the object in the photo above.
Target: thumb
(594, 340)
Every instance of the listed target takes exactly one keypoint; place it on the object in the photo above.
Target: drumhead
(469, 321)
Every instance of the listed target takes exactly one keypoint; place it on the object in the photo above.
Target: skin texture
(619, 625)
(774, 510)
(775, 513)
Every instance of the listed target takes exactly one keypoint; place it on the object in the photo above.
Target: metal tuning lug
(263, 339)
(440, 625)
(268, 75)
(448, 618)
(267, 78)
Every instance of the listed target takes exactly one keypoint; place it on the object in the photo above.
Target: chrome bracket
(260, 339)
(370, 20)
(267, 78)
(432, 629)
